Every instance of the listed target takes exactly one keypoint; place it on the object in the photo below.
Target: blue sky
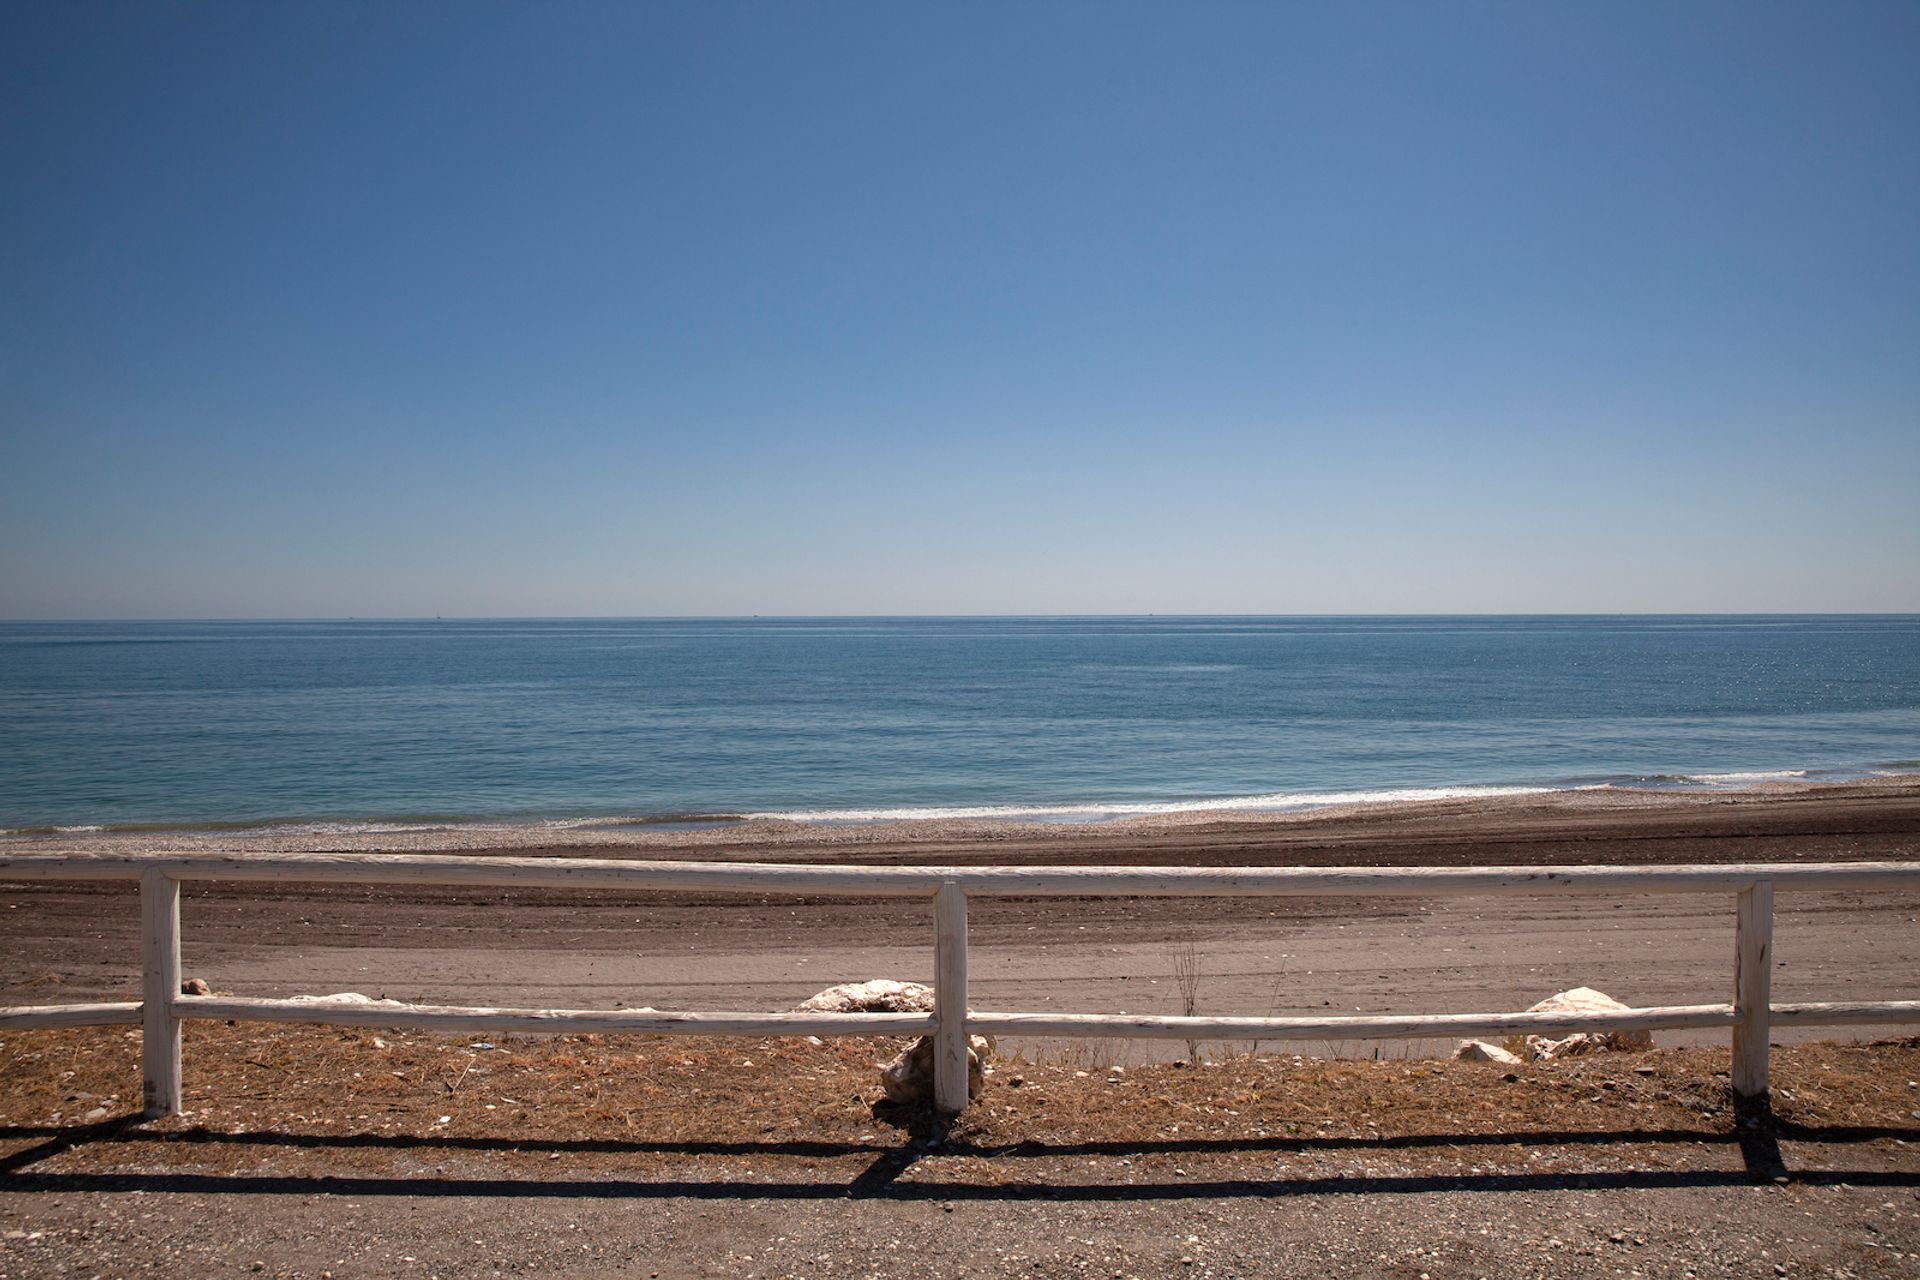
(361, 309)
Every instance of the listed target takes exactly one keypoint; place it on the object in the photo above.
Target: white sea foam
(1741, 779)
(1274, 802)
(350, 828)
(1077, 811)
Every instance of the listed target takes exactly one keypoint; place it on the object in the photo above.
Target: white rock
(908, 1078)
(878, 995)
(1481, 1051)
(1584, 1000)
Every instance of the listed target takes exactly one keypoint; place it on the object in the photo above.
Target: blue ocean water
(200, 723)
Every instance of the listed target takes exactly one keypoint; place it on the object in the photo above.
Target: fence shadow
(1756, 1137)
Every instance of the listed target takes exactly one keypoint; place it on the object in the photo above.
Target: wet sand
(1255, 956)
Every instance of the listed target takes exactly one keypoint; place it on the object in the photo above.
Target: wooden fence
(162, 1008)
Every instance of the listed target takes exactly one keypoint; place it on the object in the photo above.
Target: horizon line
(948, 617)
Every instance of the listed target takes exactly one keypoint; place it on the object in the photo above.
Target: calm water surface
(199, 723)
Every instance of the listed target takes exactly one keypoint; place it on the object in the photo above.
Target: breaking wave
(1055, 812)
(1088, 811)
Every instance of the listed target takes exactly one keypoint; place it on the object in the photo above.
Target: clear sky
(327, 309)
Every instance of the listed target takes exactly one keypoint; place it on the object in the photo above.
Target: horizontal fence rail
(163, 1007)
(1360, 1027)
(428, 1017)
(918, 882)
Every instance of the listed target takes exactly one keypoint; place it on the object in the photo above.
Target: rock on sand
(1583, 1000)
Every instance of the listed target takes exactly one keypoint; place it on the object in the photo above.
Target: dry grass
(264, 1098)
(1186, 982)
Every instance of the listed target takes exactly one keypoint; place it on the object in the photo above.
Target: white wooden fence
(163, 1007)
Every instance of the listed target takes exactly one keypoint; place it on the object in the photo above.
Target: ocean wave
(404, 826)
(1732, 781)
(1272, 802)
(1057, 812)
(660, 822)
(385, 826)
(1752, 775)
(343, 828)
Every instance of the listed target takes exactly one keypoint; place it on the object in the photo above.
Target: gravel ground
(1546, 1227)
(405, 1156)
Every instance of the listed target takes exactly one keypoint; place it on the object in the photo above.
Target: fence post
(1752, 989)
(950, 998)
(159, 984)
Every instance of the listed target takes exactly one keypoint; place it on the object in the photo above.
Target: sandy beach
(602, 950)
(408, 1154)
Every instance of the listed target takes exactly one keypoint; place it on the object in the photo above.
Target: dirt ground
(317, 1152)
(314, 1151)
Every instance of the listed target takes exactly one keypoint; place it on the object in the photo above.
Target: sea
(398, 725)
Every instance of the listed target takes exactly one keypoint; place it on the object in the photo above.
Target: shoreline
(1475, 805)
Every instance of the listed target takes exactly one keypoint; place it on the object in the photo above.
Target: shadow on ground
(1757, 1136)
